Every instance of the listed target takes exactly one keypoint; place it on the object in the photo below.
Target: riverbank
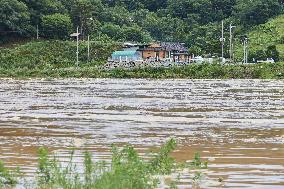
(193, 71)
(56, 59)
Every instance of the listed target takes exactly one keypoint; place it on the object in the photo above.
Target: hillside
(193, 22)
(265, 35)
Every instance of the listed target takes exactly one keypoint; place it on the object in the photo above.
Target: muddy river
(237, 125)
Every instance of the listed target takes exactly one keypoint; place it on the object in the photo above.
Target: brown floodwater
(237, 125)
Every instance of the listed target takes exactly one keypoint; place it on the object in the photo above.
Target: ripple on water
(237, 124)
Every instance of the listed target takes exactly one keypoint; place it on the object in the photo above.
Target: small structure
(174, 52)
(120, 56)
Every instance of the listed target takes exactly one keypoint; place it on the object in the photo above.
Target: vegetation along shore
(35, 37)
(54, 59)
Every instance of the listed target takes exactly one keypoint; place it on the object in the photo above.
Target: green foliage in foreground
(6, 176)
(127, 170)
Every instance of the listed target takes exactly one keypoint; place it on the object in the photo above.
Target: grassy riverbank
(127, 170)
(201, 71)
(55, 59)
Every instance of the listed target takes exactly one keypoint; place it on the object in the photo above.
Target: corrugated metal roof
(124, 53)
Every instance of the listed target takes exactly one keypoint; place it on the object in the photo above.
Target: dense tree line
(195, 22)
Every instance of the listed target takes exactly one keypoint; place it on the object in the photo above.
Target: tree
(117, 15)
(112, 30)
(165, 28)
(201, 10)
(14, 16)
(272, 52)
(257, 11)
(130, 5)
(154, 5)
(135, 34)
(56, 26)
(260, 55)
(39, 8)
(84, 14)
(223, 8)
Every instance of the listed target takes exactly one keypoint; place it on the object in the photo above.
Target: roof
(169, 46)
(155, 45)
(124, 53)
(181, 53)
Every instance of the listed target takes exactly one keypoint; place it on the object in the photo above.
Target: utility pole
(77, 52)
(222, 40)
(231, 42)
(245, 43)
(88, 47)
(246, 50)
(37, 32)
(91, 19)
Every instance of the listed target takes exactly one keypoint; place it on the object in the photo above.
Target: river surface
(237, 125)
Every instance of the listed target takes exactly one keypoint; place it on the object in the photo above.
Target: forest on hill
(197, 23)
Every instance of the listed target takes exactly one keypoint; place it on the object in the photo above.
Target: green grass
(126, 171)
(38, 54)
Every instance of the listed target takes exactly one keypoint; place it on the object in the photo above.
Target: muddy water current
(237, 125)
